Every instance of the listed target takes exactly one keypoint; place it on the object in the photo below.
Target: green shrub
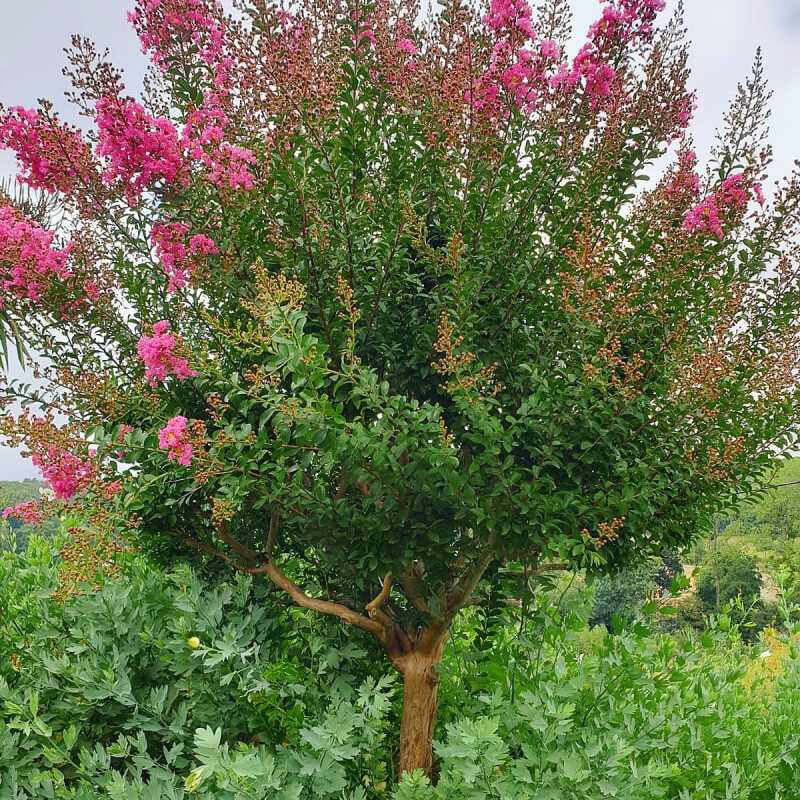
(116, 687)
(731, 574)
(114, 699)
(619, 597)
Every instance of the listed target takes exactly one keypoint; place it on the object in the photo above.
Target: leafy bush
(620, 597)
(134, 682)
(112, 697)
(726, 576)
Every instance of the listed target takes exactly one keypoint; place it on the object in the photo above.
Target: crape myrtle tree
(380, 303)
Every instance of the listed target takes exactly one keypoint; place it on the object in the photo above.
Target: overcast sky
(725, 35)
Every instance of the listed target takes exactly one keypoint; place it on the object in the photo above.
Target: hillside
(12, 493)
(767, 529)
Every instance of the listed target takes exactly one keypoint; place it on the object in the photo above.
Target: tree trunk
(420, 702)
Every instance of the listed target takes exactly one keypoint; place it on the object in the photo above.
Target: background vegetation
(161, 684)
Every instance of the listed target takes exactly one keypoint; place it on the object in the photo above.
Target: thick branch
(237, 547)
(209, 550)
(297, 595)
(375, 607)
(412, 589)
(300, 598)
(463, 589)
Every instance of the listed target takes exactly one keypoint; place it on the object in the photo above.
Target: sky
(724, 33)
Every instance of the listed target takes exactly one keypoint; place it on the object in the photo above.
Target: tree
(623, 594)
(726, 576)
(381, 306)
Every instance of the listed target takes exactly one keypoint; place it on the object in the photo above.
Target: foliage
(397, 317)
(383, 305)
(13, 493)
(621, 596)
(727, 575)
(112, 700)
(110, 688)
(767, 530)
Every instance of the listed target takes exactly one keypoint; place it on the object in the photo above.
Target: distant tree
(622, 595)
(727, 575)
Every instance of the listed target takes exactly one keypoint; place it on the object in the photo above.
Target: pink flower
(158, 354)
(179, 259)
(626, 20)
(53, 156)
(164, 26)
(407, 46)
(758, 190)
(704, 217)
(733, 193)
(588, 67)
(64, 472)
(510, 15)
(110, 490)
(708, 215)
(26, 512)
(550, 49)
(142, 150)
(203, 138)
(29, 264)
(174, 437)
(92, 290)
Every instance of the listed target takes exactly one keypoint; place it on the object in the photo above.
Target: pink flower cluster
(204, 140)
(66, 473)
(178, 257)
(53, 157)
(525, 72)
(588, 66)
(29, 264)
(141, 149)
(164, 25)
(175, 438)
(685, 182)
(407, 46)
(521, 71)
(708, 215)
(26, 512)
(511, 15)
(158, 354)
(626, 20)
(621, 22)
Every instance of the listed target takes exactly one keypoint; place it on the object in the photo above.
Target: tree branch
(533, 573)
(411, 586)
(297, 595)
(468, 582)
(272, 535)
(375, 607)
(237, 547)
(301, 599)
